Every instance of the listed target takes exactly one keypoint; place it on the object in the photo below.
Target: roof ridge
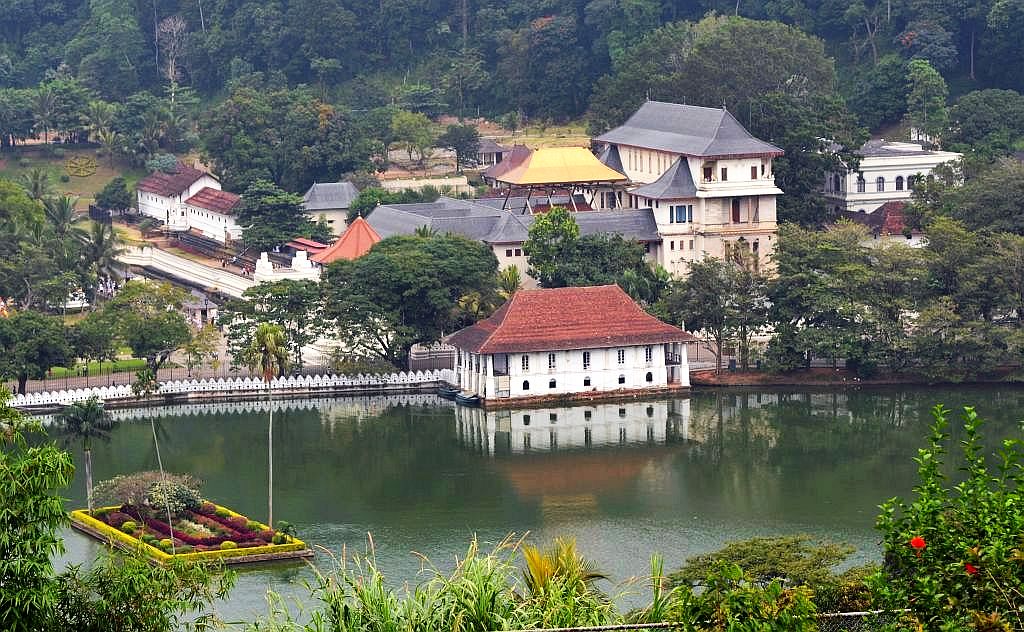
(508, 305)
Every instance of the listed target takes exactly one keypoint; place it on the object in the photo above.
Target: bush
(254, 526)
(166, 543)
(220, 512)
(129, 527)
(57, 152)
(117, 518)
(131, 489)
(65, 177)
(174, 496)
(954, 556)
(207, 508)
(228, 544)
(24, 163)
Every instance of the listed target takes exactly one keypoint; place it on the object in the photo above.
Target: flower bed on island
(208, 532)
(164, 516)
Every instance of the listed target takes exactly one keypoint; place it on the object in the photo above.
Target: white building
(160, 195)
(212, 212)
(709, 182)
(331, 201)
(887, 173)
(569, 341)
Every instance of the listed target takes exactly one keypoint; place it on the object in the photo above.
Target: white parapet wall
(186, 270)
(227, 388)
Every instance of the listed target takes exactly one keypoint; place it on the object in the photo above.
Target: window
(552, 417)
(680, 213)
(586, 359)
(735, 211)
(880, 184)
(899, 183)
(622, 412)
(508, 252)
(526, 420)
(587, 414)
(753, 173)
(725, 174)
(586, 381)
(648, 353)
(649, 163)
(519, 252)
(672, 245)
(708, 173)
(621, 355)
(526, 385)
(860, 183)
(551, 361)
(622, 379)
(649, 377)
(526, 363)
(650, 411)
(691, 244)
(647, 247)
(551, 384)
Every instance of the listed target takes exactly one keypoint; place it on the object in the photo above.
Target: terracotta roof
(556, 319)
(512, 159)
(223, 202)
(168, 184)
(887, 219)
(309, 245)
(355, 242)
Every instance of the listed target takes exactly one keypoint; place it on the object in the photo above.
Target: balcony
(673, 359)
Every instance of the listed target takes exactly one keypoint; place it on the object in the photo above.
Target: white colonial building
(569, 341)
(887, 173)
(160, 194)
(709, 182)
(212, 212)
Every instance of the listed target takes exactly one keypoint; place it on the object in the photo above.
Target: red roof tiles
(566, 318)
(215, 200)
(168, 184)
(355, 242)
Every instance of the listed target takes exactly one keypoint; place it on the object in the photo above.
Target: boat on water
(467, 400)
(447, 391)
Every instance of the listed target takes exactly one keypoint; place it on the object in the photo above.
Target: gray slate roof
(490, 146)
(495, 226)
(675, 184)
(689, 130)
(609, 156)
(329, 196)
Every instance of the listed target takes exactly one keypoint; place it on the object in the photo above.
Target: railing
(673, 358)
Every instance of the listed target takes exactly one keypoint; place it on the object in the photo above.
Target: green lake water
(675, 476)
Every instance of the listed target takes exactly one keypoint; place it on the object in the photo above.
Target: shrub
(57, 152)
(173, 496)
(207, 508)
(24, 163)
(166, 543)
(228, 544)
(254, 526)
(954, 556)
(220, 512)
(65, 177)
(129, 527)
(117, 518)
(131, 489)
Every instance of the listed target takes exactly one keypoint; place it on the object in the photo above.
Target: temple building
(572, 341)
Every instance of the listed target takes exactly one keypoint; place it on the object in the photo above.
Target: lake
(677, 476)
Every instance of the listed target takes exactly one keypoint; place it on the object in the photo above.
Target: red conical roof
(355, 242)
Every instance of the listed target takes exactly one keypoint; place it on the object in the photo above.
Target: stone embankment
(239, 389)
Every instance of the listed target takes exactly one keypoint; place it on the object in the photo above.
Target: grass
(85, 188)
(99, 368)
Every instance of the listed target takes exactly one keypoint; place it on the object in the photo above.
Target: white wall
(170, 209)
(211, 224)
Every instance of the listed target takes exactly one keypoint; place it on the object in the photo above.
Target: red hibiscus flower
(970, 568)
(918, 543)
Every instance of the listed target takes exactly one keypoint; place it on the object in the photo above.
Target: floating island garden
(198, 530)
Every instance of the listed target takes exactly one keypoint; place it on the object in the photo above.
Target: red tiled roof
(355, 242)
(215, 200)
(309, 245)
(566, 318)
(168, 184)
(887, 219)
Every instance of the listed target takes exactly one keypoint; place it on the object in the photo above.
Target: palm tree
(101, 247)
(99, 115)
(268, 353)
(44, 110)
(60, 211)
(509, 281)
(87, 420)
(110, 140)
(561, 561)
(37, 182)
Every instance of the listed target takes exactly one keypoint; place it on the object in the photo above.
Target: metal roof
(675, 184)
(329, 196)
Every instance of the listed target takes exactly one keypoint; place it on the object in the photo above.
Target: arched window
(586, 381)
(622, 379)
(526, 385)
(526, 420)
(860, 183)
(880, 184)
(899, 183)
(551, 384)
(649, 377)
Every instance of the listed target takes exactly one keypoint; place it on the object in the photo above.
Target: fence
(221, 387)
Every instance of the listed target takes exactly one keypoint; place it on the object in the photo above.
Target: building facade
(331, 201)
(709, 182)
(887, 173)
(212, 212)
(160, 195)
(569, 341)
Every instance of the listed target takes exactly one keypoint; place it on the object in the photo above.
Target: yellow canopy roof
(560, 165)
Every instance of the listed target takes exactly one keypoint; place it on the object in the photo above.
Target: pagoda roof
(355, 242)
(675, 184)
(555, 319)
(559, 165)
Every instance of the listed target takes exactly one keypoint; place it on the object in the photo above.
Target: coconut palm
(99, 115)
(509, 281)
(102, 247)
(267, 353)
(110, 141)
(60, 211)
(36, 182)
(44, 110)
(86, 421)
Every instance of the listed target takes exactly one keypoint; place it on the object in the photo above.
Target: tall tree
(268, 354)
(85, 421)
(147, 318)
(31, 344)
(270, 216)
(464, 140)
(296, 307)
(926, 99)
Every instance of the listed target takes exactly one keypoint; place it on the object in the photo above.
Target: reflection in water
(679, 476)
